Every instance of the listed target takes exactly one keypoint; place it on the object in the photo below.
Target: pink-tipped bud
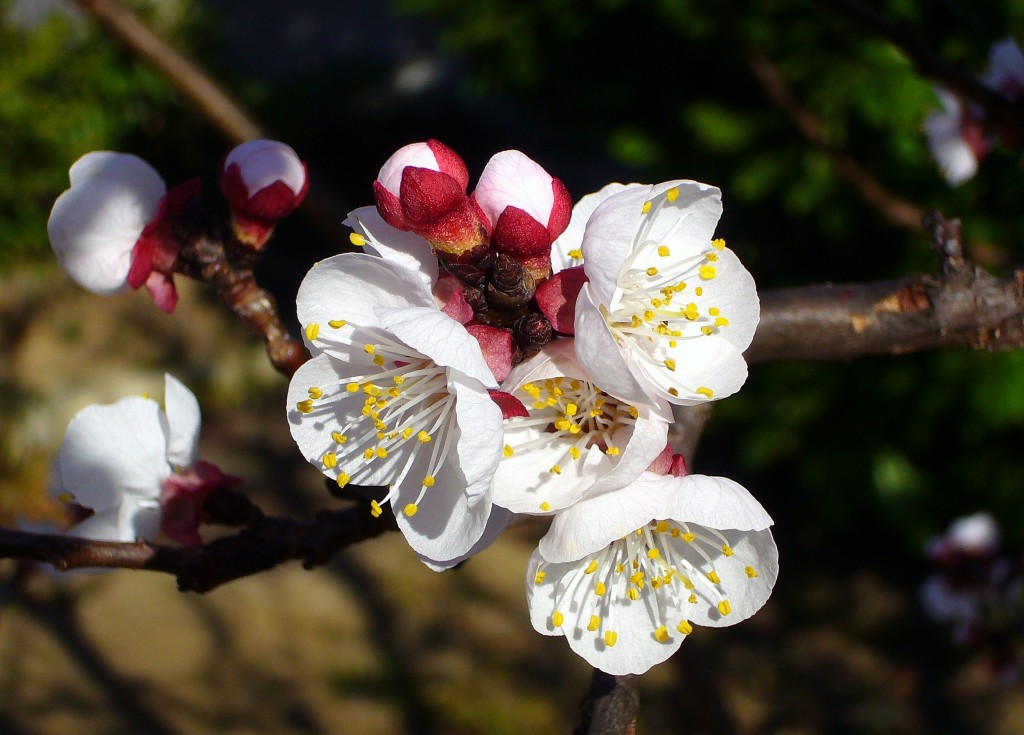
(263, 181)
(421, 188)
(524, 209)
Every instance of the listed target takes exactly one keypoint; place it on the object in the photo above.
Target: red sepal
(511, 407)
(518, 234)
(556, 298)
(181, 503)
(497, 346)
(561, 209)
(449, 162)
(428, 195)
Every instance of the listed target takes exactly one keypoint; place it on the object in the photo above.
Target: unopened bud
(510, 285)
(531, 333)
(263, 181)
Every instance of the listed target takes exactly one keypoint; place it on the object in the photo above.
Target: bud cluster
(496, 241)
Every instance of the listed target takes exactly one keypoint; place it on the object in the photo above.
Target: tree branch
(263, 543)
(966, 307)
(610, 706)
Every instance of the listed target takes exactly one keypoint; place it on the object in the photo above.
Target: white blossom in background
(626, 575)
(263, 181)
(396, 394)
(95, 224)
(667, 311)
(577, 441)
(136, 466)
(956, 138)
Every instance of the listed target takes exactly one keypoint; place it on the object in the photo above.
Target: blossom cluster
(485, 355)
(499, 352)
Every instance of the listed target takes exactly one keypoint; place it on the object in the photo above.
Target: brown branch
(263, 543)
(897, 210)
(966, 307)
(902, 35)
(610, 706)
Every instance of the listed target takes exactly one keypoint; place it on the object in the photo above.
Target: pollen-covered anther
(410, 509)
(684, 627)
(375, 509)
(661, 634)
(724, 607)
(356, 239)
(713, 577)
(304, 406)
(429, 481)
(708, 272)
(312, 331)
(750, 572)
(610, 638)
(557, 618)
(594, 624)
(540, 576)
(706, 392)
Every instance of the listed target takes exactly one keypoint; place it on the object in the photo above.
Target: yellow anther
(574, 452)
(638, 577)
(369, 349)
(394, 392)
(330, 460)
(371, 390)
(690, 312)
(382, 452)
(656, 303)
(663, 251)
(652, 271)
(714, 311)
(618, 569)
(343, 479)
(375, 509)
(600, 589)
(305, 406)
(721, 322)
(661, 527)
(563, 424)
(672, 343)
(707, 330)
(368, 454)
(575, 429)
(576, 253)
(429, 481)
(707, 392)
(315, 392)
(727, 550)
(338, 437)
(552, 401)
(410, 509)
(337, 323)
(672, 194)
(634, 411)
(673, 392)
(538, 405)
(508, 451)
(571, 409)
(557, 619)
(684, 627)
(424, 437)
(670, 364)
(378, 361)
(751, 572)
(636, 321)
(675, 533)
(711, 257)
(699, 291)
(633, 593)
(693, 599)
(718, 243)
(648, 315)
(545, 506)
(661, 634)
(407, 432)
(555, 470)
(724, 607)
(689, 537)
(540, 577)
(594, 624)
(655, 583)
(653, 553)
(352, 387)
(646, 208)
(312, 331)
(575, 385)
(610, 637)
(531, 389)
(687, 582)
(356, 239)
(713, 576)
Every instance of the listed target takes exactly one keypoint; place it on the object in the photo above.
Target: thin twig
(903, 36)
(896, 209)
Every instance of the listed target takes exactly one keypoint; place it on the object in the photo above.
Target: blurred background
(860, 464)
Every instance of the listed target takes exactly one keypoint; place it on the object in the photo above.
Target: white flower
(955, 139)
(577, 440)
(667, 310)
(625, 576)
(396, 394)
(118, 459)
(95, 224)
(1005, 72)
(406, 249)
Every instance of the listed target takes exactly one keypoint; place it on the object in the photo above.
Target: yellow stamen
(356, 239)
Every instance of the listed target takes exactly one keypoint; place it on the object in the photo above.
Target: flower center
(661, 566)
(387, 418)
(572, 414)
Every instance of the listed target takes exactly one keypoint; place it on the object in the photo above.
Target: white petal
(599, 354)
(701, 362)
(104, 526)
(262, 162)
(111, 451)
(608, 239)
(129, 170)
(746, 595)
(715, 502)
(688, 223)
(1005, 71)
(354, 286)
(479, 443)
(511, 178)
(648, 440)
(402, 248)
(572, 238)
(496, 523)
(183, 421)
(439, 337)
(946, 605)
(418, 155)
(951, 152)
(556, 360)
